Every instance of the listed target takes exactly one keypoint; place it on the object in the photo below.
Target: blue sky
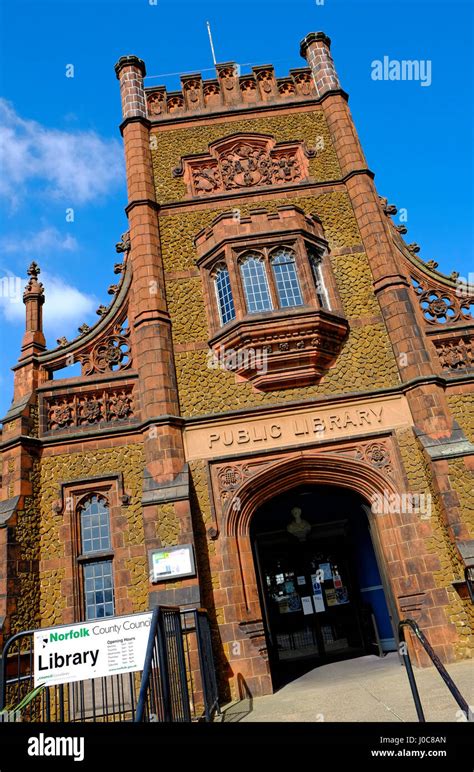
(60, 147)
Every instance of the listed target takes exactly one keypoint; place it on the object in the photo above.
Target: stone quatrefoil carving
(109, 355)
(244, 162)
(441, 306)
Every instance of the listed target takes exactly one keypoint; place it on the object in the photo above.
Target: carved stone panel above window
(245, 161)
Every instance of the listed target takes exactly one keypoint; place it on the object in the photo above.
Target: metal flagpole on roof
(210, 41)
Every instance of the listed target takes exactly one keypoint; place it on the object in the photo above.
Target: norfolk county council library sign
(86, 650)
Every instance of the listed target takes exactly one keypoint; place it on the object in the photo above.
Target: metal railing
(179, 669)
(203, 682)
(178, 681)
(111, 698)
(469, 578)
(436, 662)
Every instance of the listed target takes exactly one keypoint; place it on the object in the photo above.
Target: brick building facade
(274, 359)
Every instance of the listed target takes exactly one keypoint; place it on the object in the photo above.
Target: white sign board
(307, 605)
(85, 650)
(172, 562)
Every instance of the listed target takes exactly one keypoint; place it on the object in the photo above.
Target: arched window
(98, 588)
(254, 279)
(286, 278)
(321, 291)
(225, 300)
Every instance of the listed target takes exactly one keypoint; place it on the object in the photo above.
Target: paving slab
(364, 689)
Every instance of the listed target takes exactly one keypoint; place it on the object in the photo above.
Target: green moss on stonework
(167, 525)
(186, 306)
(365, 362)
(462, 408)
(461, 481)
(439, 543)
(335, 210)
(26, 535)
(54, 470)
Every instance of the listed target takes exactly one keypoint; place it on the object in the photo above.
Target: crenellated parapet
(230, 90)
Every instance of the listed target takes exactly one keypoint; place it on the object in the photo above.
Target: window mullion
(271, 281)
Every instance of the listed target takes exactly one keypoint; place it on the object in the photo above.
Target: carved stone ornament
(110, 354)
(175, 104)
(286, 88)
(120, 406)
(60, 415)
(282, 352)
(442, 306)
(33, 286)
(124, 244)
(89, 408)
(193, 91)
(455, 353)
(227, 77)
(389, 209)
(230, 476)
(266, 80)
(376, 454)
(245, 161)
(304, 83)
(155, 103)
(248, 85)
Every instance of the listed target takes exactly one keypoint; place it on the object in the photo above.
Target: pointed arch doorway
(320, 580)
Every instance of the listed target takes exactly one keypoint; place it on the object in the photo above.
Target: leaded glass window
(97, 574)
(286, 279)
(98, 589)
(225, 300)
(254, 278)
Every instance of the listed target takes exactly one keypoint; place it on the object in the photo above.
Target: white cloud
(65, 307)
(44, 243)
(76, 166)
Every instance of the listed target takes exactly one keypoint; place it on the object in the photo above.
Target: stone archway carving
(304, 467)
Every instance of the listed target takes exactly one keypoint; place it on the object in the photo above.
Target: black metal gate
(178, 682)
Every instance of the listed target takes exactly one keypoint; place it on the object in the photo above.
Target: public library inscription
(290, 428)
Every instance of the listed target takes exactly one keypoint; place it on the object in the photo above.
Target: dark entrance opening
(320, 584)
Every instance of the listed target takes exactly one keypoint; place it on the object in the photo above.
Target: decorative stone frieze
(244, 161)
(88, 408)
